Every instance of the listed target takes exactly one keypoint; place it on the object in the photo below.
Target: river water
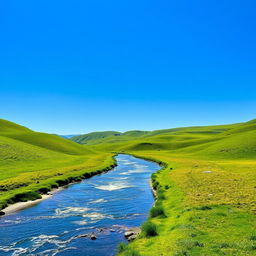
(105, 205)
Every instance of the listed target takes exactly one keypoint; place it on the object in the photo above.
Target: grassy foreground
(206, 190)
(34, 163)
(208, 208)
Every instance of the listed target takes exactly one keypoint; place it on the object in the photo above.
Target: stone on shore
(128, 233)
(131, 238)
(132, 233)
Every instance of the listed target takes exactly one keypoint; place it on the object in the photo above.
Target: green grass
(94, 137)
(33, 163)
(203, 216)
(156, 211)
(49, 141)
(10, 127)
(149, 229)
(115, 137)
(205, 190)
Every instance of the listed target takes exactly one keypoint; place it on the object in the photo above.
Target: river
(104, 205)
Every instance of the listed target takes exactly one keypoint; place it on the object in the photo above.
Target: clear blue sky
(79, 66)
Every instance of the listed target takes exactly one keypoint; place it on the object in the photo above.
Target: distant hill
(107, 136)
(94, 137)
(218, 141)
(115, 137)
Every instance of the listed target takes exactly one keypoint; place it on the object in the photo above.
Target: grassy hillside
(206, 190)
(107, 137)
(225, 141)
(94, 137)
(32, 163)
(115, 137)
(49, 141)
(7, 126)
(204, 207)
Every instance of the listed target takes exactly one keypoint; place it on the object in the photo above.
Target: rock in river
(93, 237)
(82, 235)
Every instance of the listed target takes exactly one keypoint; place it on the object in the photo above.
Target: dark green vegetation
(149, 229)
(205, 190)
(157, 210)
(33, 163)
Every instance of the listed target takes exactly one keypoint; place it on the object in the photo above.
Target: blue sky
(79, 66)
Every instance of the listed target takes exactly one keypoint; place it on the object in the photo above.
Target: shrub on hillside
(160, 193)
(26, 196)
(157, 211)
(149, 228)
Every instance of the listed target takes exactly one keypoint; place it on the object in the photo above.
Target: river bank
(202, 207)
(23, 200)
(106, 206)
(23, 205)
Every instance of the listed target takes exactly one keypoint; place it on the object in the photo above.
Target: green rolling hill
(33, 162)
(205, 191)
(43, 140)
(10, 127)
(94, 137)
(222, 141)
(107, 136)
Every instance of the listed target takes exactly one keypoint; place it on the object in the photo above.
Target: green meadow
(33, 163)
(206, 189)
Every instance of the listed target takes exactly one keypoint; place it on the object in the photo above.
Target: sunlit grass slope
(94, 137)
(9, 127)
(206, 190)
(32, 163)
(107, 136)
(226, 141)
(114, 137)
(49, 141)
